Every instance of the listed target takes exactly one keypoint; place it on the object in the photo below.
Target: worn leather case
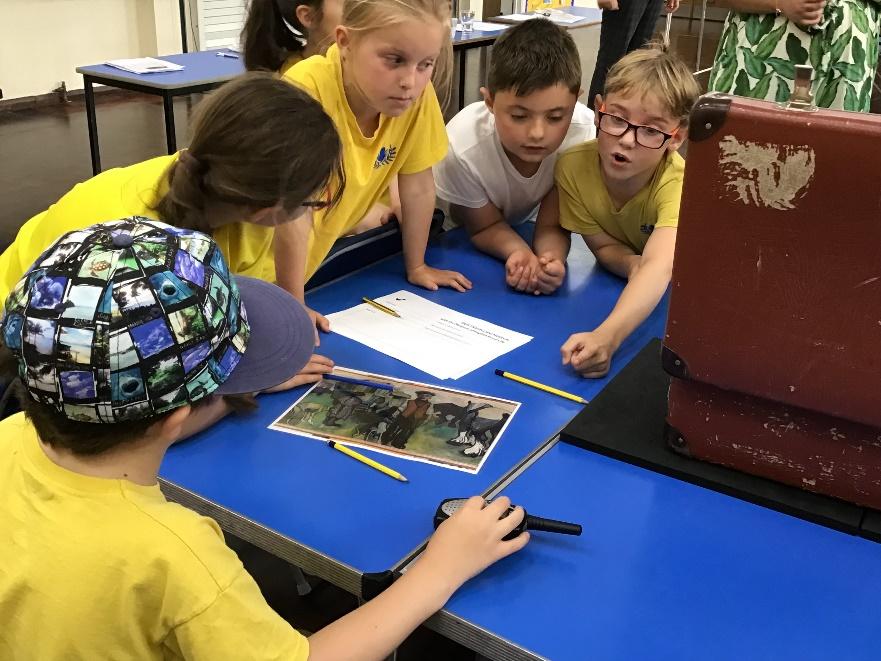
(776, 288)
(794, 446)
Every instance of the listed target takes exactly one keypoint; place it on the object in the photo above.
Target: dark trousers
(624, 30)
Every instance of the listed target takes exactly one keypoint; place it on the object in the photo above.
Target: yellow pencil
(380, 306)
(541, 386)
(367, 460)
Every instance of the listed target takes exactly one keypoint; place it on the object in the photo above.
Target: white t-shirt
(477, 170)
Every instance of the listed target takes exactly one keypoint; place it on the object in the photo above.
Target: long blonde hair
(362, 16)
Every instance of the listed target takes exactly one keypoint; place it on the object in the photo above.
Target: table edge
(479, 639)
(306, 558)
(110, 79)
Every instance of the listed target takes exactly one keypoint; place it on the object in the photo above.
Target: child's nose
(628, 138)
(408, 79)
(536, 130)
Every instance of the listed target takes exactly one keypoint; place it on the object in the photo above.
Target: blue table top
(668, 570)
(300, 488)
(200, 68)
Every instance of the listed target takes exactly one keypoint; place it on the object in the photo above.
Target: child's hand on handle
(432, 278)
(471, 540)
(521, 270)
(671, 6)
(463, 545)
(551, 273)
(316, 367)
(590, 354)
(321, 324)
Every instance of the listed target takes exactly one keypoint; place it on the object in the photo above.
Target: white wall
(43, 41)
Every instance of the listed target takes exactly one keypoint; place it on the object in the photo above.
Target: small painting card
(427, 423)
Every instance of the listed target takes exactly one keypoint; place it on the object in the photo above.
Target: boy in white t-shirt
(500, 164)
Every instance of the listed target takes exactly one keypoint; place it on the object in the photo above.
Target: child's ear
(306, 16)
(342, 37)
(171, 426)
(487, 98)
(677, 140)
(598, 101)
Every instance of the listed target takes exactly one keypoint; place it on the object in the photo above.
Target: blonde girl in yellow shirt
(262, 153)
(375, 82)
(280, 33)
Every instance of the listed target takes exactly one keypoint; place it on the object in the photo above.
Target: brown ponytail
(267, 41)
(257, 142)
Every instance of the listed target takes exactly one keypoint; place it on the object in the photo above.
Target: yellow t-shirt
(118, 193)
(585, 206)
(407, 144)
(288, 63)
(94, 568)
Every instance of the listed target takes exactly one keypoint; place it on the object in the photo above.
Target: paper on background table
(431, 337)
(144, 65)
(481, 26)
(554, 17)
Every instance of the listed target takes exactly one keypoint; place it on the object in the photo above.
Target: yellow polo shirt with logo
(96, 568)
(121, 192)
(407, 144)
(586, 208)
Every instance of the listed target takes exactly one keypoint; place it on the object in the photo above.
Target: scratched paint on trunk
(766, 175)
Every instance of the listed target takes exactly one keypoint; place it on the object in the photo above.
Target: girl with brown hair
(263, 153)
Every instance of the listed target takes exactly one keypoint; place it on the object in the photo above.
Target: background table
(202, 71)
(338, 519)
(462, 43)
(666, 570)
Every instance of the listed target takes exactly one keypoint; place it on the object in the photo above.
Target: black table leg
(168, 103)
(462, 61)
(92, 123)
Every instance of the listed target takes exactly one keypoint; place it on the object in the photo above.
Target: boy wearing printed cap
(124, 335)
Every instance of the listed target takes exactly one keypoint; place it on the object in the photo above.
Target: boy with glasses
(621, 193)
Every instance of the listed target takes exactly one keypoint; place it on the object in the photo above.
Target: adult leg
(615, 34)
(645, 27)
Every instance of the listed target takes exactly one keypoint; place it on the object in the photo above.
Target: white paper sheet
(553, 16)
(481, 26)
(144, 65)
(436, 339)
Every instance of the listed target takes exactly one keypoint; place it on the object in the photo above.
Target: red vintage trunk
(802, 448)
(776, 287)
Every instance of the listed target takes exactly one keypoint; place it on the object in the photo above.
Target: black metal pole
(182, 6)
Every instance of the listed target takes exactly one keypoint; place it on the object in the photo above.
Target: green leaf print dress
(758, 52)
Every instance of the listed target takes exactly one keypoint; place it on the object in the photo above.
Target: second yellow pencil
(367, 460)
(541, 386)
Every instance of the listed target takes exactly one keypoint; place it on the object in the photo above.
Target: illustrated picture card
(428, 423)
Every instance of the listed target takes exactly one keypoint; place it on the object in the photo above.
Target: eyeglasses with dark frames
(314, 205)
(646, 136)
